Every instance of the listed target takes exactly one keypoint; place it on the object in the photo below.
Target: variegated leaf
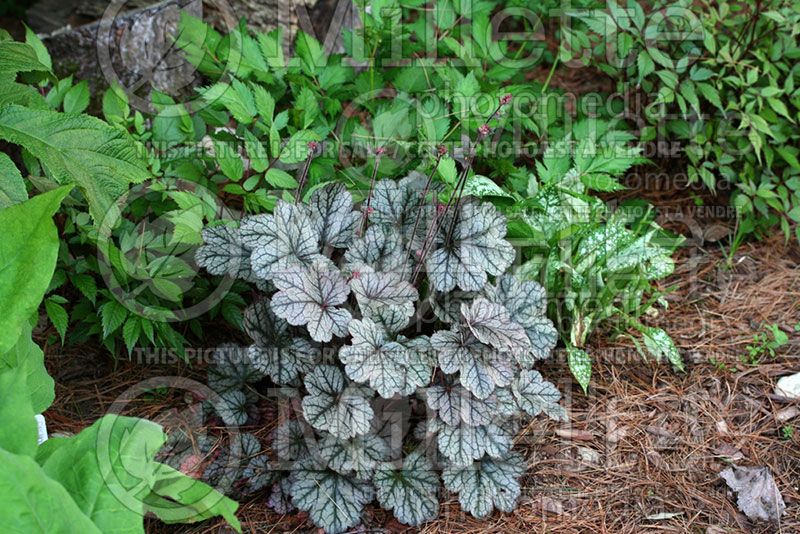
(411, 492)
(359, 455)
(488, 484)
(333, 217)
(379, 249)
(492, 325)
(456, 405)
(310, 296)
(536, 395)
(375, 291)
(224, 254)
(334, 502)
(332, 406)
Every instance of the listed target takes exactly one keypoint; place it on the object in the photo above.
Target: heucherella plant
(402, 301)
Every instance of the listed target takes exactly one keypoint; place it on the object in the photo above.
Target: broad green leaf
(19, 435)
(35, 503)
(27, 356)
(28, 253)
(177, 498)
(100, 159)
(12, 185)
(481, 186)
(20, 57)
(107, 469)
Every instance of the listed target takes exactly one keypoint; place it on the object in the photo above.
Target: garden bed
(643, 448)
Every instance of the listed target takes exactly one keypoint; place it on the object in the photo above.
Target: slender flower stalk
(483, 131)
(365, 217)
(441, 151)
(430, 238)
(312, 150)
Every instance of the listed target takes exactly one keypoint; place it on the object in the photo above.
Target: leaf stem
(441, 152)
(312, 149)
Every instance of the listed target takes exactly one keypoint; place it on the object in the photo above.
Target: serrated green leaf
(100, 159)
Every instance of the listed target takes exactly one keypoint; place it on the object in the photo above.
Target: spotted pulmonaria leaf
(224, 254)
(334, 502)
(478, 247)
(411, 492)
(390, 367)
(660, 345)
(231, 369)
(332, 406)
(481, 367)
(280, 241)
(488, 484)
(333, 216)
(379, 249)
(536, 395)
(456, 405)
(310, 296)
(276, 352)
(491, 324)
(384, 291)
(359, 456)
(526, 303)
(580, 364)
(462, 444)
(290, 441)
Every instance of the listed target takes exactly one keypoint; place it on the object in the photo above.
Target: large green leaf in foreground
(100, 159)
(28, 251)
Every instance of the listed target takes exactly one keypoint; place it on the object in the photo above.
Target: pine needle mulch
(643, 447)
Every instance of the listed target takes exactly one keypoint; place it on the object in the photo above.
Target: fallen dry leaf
(758, 495)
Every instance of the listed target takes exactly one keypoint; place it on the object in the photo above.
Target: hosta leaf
(492, 325)
(333, 216)
(231, 368)
(411, 492)
(102, 160)
(389, 367)
(478, 247)
(463, 444)
(488, 484)
(331, 405)
(281, 241)
(376, 291)
(359, 455)
(481, 368)
(223, 253)
(276, 351)
(310, 296)
(290, 441)
(379, 249)
(456, 405)
(334, 501)
(536, 395)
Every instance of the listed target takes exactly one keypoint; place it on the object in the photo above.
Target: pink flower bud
(484, 130)
(442, 150)
(313, 145)
(380, 150)
(505, 99)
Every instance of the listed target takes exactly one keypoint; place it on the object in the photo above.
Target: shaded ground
(644, 447)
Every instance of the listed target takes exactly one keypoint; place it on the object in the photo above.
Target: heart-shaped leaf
(333, 217)
(332, 406)
(488, 484)
(310, 296)
(411, 492)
